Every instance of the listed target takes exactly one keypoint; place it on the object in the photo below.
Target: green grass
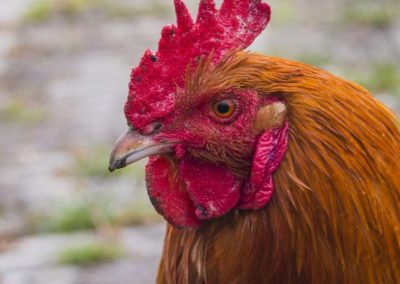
(375, 16)
(16, 110)
(315, 59)
(76, 7)
(382, 77)
(121, 11)
(284, 12)
(43, 10)
(138, 213)
(75, 217)
(89, 254)
(84, 215)
(93, 162)
(39, 11)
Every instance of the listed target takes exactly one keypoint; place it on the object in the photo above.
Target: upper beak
(132, 146)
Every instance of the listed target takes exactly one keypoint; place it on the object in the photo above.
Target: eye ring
(224, 109)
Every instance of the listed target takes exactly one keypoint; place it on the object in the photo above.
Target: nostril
(151, 128)
(157, 127)
(131, 127)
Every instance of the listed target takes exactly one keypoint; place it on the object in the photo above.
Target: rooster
(267, 170)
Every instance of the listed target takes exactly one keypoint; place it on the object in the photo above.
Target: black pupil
(223, 107)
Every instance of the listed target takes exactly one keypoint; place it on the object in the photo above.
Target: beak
(132, 146)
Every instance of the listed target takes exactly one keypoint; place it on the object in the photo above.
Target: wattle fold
(168, 195)
(200, 191)
(190, 191)
(213, 189)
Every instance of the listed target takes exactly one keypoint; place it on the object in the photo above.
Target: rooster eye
(225, 108)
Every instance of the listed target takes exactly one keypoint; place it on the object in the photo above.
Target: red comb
(153, 83)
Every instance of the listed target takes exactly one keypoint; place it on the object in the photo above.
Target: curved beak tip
(111, 164)
(132, 146)
(116, 163)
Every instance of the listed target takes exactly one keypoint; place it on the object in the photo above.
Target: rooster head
(213, 139)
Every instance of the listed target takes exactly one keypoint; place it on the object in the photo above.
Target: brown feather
(335, 213)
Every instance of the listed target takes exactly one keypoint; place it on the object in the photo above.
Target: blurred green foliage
(380, 77)
(75, 217)
(315, 59)
(16, 110)
(43, 10)
(154, 7)
(96, 213)
(374, 14)
(39, 11)
(93, 162)
(284, 12)
(138, 213)
(91, 253)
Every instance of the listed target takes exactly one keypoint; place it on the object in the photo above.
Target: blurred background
(64, 72)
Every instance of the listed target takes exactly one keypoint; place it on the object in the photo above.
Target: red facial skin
(199, 181)
(193, 188)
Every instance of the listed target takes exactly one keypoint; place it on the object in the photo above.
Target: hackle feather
(335, 213)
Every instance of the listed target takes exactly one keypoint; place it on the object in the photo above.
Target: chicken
(267, 170)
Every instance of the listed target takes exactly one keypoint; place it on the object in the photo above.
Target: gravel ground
(34, 259)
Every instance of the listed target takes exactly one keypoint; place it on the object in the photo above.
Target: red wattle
(203, 191)
(213, 189)
(196, 190)
(168, 196)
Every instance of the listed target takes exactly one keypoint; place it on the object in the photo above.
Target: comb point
(207, 11)
(183, 18)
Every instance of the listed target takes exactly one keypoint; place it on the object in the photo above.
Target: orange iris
(225, 108)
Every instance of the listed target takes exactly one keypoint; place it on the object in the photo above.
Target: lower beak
(132, 146)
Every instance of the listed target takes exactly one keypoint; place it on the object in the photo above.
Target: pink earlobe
(270, 149)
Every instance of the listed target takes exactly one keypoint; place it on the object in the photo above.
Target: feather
(335, 214)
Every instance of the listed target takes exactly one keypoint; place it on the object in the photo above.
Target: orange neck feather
(335, 213)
